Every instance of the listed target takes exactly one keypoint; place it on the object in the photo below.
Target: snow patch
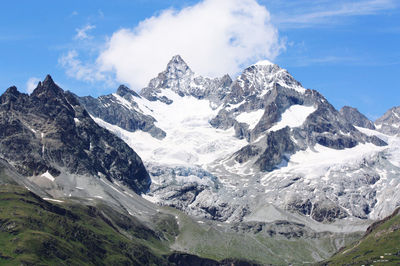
(264, 63)
(294, 116)
(251, 118)
(315, 164)
(123, 101)
(48, 199)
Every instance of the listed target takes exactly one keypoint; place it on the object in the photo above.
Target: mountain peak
(48, 80)
(389, 122)
(11, 94)
(356, 118)
(47, 88)
(124, 90)
(178, 67)
(12, 90)
(264, 63)
(177, 59)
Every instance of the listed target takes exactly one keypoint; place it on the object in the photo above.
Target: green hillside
(34, 231)
(379, 246)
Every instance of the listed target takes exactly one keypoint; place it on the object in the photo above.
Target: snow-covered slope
(232, 150)
(190, 139)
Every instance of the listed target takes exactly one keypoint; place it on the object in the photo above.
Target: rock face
(389, 123)
(49, 132)
(353, 116)
(237, 150)
(126, 114)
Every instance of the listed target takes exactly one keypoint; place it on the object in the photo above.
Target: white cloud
(75, 68)
(82, 33)
(31, 84)
(214, 37)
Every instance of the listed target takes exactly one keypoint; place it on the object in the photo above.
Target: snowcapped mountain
(180, 79)
(259, 148)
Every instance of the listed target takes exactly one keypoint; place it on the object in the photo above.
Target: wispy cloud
(325, 60)
(31, 84)
(79, 70)
(306, 13)
(83, 33)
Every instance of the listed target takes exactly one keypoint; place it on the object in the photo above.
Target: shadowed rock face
(353, 116)
(127, 117)
(50, 131)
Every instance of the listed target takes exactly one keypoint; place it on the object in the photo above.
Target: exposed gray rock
(126, 115)
(389, 123)
(354, 117)
(327, 211)
(50, 131)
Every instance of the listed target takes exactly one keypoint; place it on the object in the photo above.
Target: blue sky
(347, 50)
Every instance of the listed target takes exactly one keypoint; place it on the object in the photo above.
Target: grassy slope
(381, 239)
(34, 231)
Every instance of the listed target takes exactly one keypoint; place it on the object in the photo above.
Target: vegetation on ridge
(380, 245)
(34, 231)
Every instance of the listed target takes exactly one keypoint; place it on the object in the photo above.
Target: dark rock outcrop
(49, 130)
(127, 114)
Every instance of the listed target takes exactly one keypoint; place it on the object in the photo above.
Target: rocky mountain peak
(124, 90)
(12, 90)
(356, 118)
(389, 123)
(177, 67)
(48, 80)
(47, 89)
(264, 75)
(10, 95)
(179, 78)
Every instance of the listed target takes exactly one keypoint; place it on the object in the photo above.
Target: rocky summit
(356, 118)
(389, 123)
